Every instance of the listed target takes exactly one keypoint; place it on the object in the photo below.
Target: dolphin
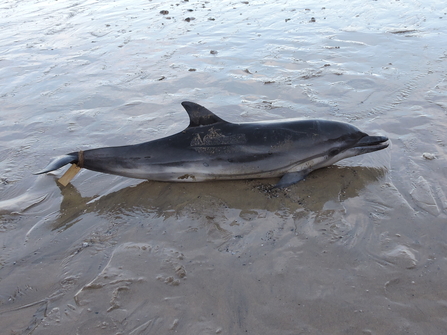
(211, 148)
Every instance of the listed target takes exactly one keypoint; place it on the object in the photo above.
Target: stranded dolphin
(211, 148)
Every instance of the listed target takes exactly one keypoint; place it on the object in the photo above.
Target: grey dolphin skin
(211, 148)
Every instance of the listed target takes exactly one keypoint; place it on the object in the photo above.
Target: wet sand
(356, 248)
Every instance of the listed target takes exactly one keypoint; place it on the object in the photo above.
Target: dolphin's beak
(372, 143)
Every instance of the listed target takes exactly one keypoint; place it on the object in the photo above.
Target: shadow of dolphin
(167, 200)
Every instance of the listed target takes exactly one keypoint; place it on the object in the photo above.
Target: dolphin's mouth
(372, 143)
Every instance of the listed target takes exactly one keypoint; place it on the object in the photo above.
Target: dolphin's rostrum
(211, 148)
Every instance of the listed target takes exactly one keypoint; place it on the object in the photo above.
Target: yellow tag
(69, 175)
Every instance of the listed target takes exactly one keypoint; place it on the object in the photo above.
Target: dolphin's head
(363, 145)
(340, 140)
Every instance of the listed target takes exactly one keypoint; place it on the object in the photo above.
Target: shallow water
(357, 248)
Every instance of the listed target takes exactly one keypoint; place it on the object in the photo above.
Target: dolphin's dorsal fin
(199, 115)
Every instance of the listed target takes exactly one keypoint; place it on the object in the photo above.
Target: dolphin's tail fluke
(59, 162)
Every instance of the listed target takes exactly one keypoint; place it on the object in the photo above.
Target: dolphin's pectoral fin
(199, 115)
(291, 178)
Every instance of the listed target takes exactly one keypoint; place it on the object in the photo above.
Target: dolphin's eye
(334, 152)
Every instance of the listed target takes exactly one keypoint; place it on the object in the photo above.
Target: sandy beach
(356, 248)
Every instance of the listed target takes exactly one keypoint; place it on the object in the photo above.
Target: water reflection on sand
(355, 248)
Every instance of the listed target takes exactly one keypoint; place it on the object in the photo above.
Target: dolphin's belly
(219, 169)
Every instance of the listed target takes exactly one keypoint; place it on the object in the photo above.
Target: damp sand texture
(357, 248)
